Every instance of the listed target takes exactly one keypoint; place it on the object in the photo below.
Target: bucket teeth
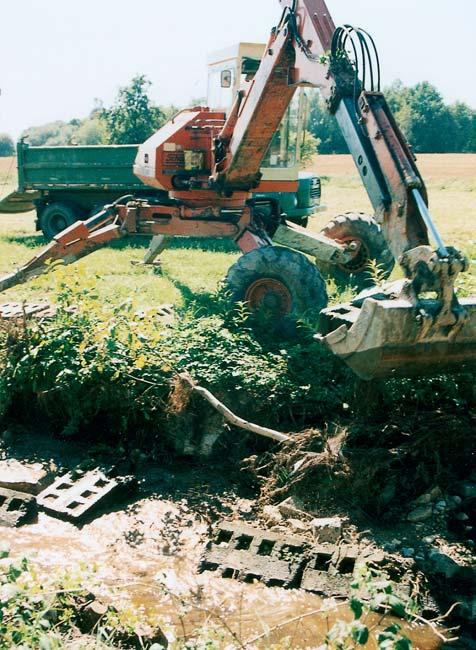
(385, 338)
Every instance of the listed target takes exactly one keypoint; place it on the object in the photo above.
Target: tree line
(430, 125)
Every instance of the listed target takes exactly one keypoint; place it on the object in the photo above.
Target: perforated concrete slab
(19, 310)
(245, 553)
(75, 496)
(248, 554)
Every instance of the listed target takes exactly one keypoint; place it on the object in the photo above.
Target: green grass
(193, 266)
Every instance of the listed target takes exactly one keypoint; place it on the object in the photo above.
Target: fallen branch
(230, 416)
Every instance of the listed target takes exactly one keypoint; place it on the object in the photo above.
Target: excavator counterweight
(209, 163)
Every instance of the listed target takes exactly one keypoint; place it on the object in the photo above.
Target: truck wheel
(282, 282)
(365, 230)
(56, 217)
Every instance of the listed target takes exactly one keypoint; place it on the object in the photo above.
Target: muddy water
(147, 557)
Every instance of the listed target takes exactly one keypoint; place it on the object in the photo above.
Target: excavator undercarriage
(209, 163)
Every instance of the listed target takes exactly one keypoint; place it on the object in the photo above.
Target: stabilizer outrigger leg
(75, 242)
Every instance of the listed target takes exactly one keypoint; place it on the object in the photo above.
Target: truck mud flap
(384, 338)
(18, 202)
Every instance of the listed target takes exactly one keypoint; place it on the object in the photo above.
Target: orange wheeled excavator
(209, 162)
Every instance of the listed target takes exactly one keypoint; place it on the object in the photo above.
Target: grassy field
(191, 267)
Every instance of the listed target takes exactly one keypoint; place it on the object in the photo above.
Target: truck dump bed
(105, 167)
(41, 169)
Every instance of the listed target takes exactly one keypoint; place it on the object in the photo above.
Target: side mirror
(226, 79)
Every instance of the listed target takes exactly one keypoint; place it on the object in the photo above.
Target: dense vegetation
(102, 361)
(430, 125)
(6, 145)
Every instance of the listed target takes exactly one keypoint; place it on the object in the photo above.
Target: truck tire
(56, 217)
(279, 280)
(360, 227)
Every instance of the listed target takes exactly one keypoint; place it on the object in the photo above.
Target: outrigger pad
(385, 338)
(19, 202)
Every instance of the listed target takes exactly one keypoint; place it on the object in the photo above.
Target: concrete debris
(421, 514)
(17, 508)
(140, 635)
(24, 477)
(76, 496)
(18, 310)
(293, 508)
(327, 530)
(249, 554)
(272, 516)
(298, 526)
(280, 560)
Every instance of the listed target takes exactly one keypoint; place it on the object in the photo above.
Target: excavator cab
(298, 192)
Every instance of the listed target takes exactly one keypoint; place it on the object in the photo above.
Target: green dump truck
(65, 184)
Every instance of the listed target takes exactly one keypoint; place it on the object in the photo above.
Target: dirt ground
(144, 554)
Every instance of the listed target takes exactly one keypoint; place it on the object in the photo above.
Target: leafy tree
(7, 147)
(92, 131)
(133, 118)
(323, 126)
(52, 134)
(430, 125)
(463, 128)
(309, 147)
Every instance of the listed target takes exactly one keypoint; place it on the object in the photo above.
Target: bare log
(230, 416)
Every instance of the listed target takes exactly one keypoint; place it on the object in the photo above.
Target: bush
(100, 361)
(7, 147)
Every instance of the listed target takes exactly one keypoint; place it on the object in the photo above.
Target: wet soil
(145, 553)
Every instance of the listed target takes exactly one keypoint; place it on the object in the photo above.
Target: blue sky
(56, 56)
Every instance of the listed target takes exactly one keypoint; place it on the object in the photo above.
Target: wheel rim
(360, 261)
(270, 294)
(58, 223)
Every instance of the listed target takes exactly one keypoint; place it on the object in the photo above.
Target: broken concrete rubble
(293, 508)
(17, 508)
(92, 613)
(327, 530)
(24, 477)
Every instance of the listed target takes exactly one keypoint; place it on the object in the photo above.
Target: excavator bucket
(387, 338)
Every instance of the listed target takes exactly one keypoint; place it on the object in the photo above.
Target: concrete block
(327, 530)
(293, 508)
(17, 508)
(19, 310)
(76, 497)
(24, 477)
(248, 554)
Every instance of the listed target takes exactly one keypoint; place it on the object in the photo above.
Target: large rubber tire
(302, 284)
(56, 217)
(361, 227)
